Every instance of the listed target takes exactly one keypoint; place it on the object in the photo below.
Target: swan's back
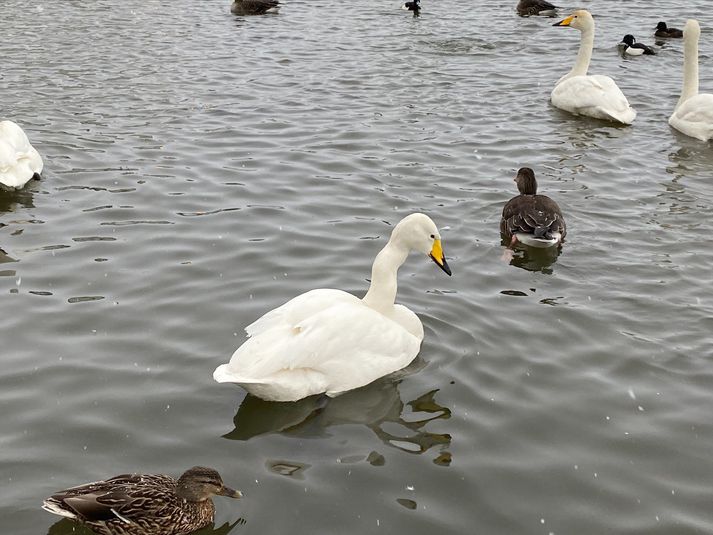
(293, 351)
(596, 96)
(19, 161)
(695, 117)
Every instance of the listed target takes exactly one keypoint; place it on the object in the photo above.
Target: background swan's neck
(382, 291)
(584, 56)
(690, 70)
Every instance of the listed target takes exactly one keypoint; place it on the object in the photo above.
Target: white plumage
(19, 161)
(330, 341)
(539, 243)
(693, 115)
(596, 96)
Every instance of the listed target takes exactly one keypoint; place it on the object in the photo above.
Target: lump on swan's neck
(584, 56)
(690, 68)
(382, 291)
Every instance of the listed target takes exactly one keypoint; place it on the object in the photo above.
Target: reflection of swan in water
(690, 160)
(10, 200)
(67, 527)
(374, 405)
(4, 257)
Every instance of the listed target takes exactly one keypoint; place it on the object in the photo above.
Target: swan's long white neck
(584, 56)
(690, 68)
(382, 291)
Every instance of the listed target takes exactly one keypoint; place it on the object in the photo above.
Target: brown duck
(142, 504)
(532, 219)
(526, 8)
(664, 31)
(253, 7)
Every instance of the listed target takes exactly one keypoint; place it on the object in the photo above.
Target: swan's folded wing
(596, 95)
(697, 109)
(8, 156)
(350, 344)
(299, 308)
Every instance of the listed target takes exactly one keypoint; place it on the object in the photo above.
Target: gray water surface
(202, 169)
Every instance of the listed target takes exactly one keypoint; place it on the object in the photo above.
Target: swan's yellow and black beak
(438, 257)
(565, 22)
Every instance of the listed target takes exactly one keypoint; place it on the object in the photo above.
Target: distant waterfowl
(526, 8)
(693, 114)
(141, 504)
(532, 219)
(330, 341)
(664, 31)
(414, 5)
(632, 48)
(595, 96)
(253, 7)
(19, 161)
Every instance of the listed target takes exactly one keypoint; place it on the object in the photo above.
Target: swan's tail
(223, 374)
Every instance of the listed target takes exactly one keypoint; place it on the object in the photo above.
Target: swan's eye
(433, 237)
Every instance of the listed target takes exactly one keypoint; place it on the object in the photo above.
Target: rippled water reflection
(202, 168)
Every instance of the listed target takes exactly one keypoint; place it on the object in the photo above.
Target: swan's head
(419, 233)
(525, 180)
(580, 19)
(628, 39)
(692, 30)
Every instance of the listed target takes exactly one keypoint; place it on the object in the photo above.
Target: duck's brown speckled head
(525, 180)
(200, 483)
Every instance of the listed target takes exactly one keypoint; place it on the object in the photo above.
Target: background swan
(595, 96)
(526, 8)
(331, 341)
(19, 161)
(693, 114)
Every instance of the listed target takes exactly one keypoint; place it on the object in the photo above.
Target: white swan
(331, 341)
(693, 114)
(19, 161)
(595, 96)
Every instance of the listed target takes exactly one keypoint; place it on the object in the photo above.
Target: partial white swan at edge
(19, 161)
(693, 114)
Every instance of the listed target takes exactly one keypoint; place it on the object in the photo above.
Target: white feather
(540, 243)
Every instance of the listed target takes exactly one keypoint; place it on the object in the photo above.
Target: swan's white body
(330, 341)
(595, 96)
(19, 161)
(694, 111)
